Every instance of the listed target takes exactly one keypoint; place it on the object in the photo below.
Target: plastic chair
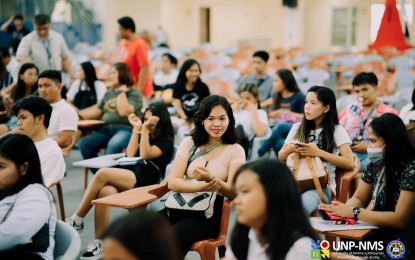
(400, 63)
(141, 197)
(67, 242)
(404, 79)
(207, 248)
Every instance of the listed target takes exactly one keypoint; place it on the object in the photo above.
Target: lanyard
(46, 45)
(378, 188)
(363, 122)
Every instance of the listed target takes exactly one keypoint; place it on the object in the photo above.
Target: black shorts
(144, 174)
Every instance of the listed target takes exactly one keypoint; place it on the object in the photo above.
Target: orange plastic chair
(207, 248)
(141, 197)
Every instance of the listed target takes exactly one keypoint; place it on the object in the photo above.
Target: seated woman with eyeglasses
(152, 139)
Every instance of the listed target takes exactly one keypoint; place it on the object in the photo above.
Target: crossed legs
(106, 181)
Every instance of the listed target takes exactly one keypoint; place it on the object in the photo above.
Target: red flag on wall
(390, 31)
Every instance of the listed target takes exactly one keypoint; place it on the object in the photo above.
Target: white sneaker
(94, 251)
(76, 226)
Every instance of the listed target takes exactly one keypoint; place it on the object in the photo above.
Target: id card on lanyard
(380, 185)
(359, 137)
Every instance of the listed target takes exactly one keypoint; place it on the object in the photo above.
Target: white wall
(146, 15)
(266, 22)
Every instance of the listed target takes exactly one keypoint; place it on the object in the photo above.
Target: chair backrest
(67, 242)
(224, 222)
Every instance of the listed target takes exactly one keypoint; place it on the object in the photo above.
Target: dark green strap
(194, 155)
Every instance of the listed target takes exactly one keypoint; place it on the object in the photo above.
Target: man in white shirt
(45, 47)
(64, 119)
(34, 115)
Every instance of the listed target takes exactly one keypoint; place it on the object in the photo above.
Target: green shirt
(109, 106)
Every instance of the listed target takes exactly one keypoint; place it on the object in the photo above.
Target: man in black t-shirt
(17, 30)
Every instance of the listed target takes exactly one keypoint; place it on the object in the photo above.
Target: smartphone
(323, 214)
(297, 143)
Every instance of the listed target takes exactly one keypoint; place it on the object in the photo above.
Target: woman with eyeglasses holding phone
(152, 139)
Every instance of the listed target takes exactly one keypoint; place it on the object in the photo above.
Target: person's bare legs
(121, 179)
(102, 213)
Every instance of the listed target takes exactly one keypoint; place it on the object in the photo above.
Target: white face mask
(375, 154)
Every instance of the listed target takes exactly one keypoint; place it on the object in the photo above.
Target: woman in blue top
(287, 109)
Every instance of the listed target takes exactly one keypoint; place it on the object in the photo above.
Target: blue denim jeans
(311, 200)
(276, 141)
(364, 160)
(113, 138)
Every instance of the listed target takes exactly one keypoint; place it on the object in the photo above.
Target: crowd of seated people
(305, 123)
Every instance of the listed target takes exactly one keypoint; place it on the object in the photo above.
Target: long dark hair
(327, 98)
(289, 82)
(20, 90)
(90, 75)
(199, 134)
(146, 235)
(164, 127)
(286, 220)
(399, 150)
(413, 99)
(181, 78)
(20, 149)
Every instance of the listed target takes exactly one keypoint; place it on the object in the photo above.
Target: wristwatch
(121, 91)
(356, 212)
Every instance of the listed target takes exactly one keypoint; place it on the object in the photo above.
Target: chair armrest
(133, 198)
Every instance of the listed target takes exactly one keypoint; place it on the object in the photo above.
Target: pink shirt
(233, 153)
(350, 119)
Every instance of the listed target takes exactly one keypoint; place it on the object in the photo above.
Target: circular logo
(324, 244)
(395, 249)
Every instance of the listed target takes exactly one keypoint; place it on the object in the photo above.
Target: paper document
(328, 225)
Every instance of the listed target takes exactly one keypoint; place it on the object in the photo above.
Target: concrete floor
(73, 190)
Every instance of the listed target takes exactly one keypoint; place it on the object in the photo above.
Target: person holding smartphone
(320, 135)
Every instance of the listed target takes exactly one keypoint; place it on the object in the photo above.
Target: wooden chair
(65, 152)
(345, 181)
(141, 197)
(60, 198)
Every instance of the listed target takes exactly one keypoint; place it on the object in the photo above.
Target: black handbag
(39, 243)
